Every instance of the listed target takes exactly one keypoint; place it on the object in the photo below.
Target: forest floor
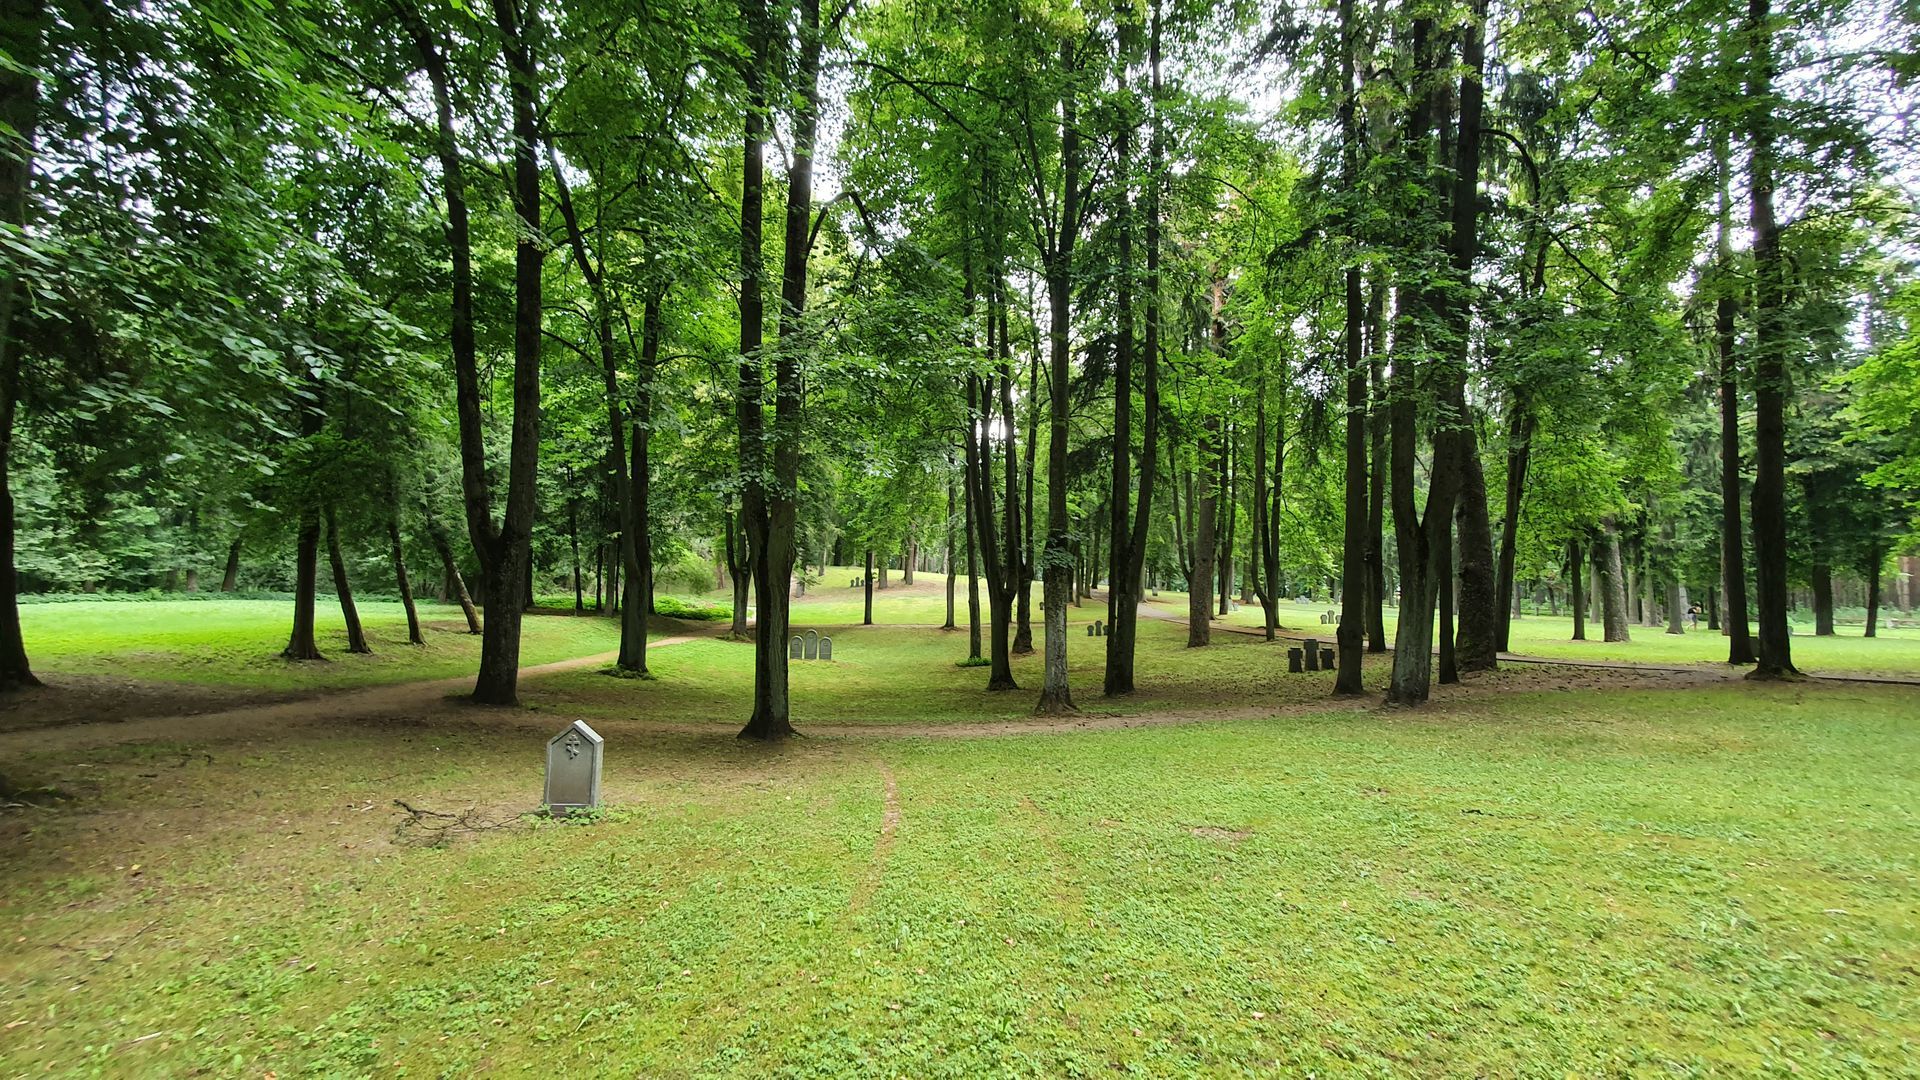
(1546, 871)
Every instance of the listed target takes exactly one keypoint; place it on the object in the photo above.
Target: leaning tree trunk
(400, 579)
(356, 636)
(451, 571)
(306, 573)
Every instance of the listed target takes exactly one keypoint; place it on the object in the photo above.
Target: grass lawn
(238, 642)
(1692, 877)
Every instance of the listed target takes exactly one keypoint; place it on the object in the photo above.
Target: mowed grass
(238, 642)
(1542, 883)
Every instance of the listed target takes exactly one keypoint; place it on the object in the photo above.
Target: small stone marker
(1293, 661)
(826, 648)
(1099, 628)
(1326, 659)
(1089, 629)
(573, 769)
(793, 648)
(813, 645)
(1313, 654)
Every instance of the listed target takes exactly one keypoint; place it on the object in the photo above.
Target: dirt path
(432, 697)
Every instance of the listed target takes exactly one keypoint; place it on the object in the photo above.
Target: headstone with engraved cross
(573, 769)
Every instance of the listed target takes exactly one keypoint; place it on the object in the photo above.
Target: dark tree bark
(1478, 602)
(1377, 482)
(867, 583)
(1129, 543)
(1266, 555)
(343, 589)
(23, 25)
(451, 571)
(1229, 495)
(306, 574)
(1001, 564)
(230, 578)
(1874, 558)
(1023, 613)
(949, 566)
(973, 552)
(1199, 592)
(1770, 379)
(740, 571)
(1822, 599)
(1519, 453)
(1576, 576)
(1353, 560)
(503, 548)
(400, 579)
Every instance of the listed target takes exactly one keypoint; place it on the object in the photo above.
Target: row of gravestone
(810, 647)
(1311, 656)
(856, 583)
(1096, 629)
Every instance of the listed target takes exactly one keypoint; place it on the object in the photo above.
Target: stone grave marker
(1313, 654)
(826, 648)
(793, 648)
(813, 645)
(573, 769)
(1326, 659)
(1089, 629)
(1099, 628)
(1293, 660)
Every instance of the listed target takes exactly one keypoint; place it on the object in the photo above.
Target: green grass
(1540, 883)
(238, 642)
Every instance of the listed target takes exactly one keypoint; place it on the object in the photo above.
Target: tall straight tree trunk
(1126, 547)
(1576, 576)
(1377, 481)
(772, 464)
(866, 618)
(947, 563)
(306, 574)
(503, 548)
(973, 552)
(1229, 495)
(1874, 558)
(1023, 633)
(1056, 563)
(1770, 380)
(1476, 647)
(400, 580)
(739, 571)
(1001, 565)
(1266, 555)
(343, 589)
(1612, 584)
(1199, 592)
(23, 26)
(230, 578)
(1353, 556)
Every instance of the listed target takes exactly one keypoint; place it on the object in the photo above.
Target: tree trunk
(1576, 577)
(973, 552)
(1377, 480)
(866, 619)
(1822, 599)
(342, 589)
(1023, 631)
(1770, 380)
(401, 582)
(230, 578)
(23, 25)
(1199, 593)
(1613, 584)
(948, 561)
(1875, 558)
(1519, 453)
(306, 573)
(1055, 695)
(450, 570)
(739, 571)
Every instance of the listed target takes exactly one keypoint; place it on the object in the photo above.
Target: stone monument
(573, 769)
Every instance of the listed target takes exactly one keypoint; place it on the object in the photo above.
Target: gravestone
(573, 769)
(793, 648)
(1313, 654)
(1089, 629)
(1099, 628)
(1326, 659)
(813, 645)
(826, 648)
(1293, 661)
